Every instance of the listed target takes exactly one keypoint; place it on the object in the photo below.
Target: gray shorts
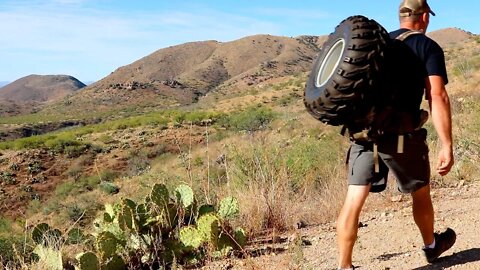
(411, 168)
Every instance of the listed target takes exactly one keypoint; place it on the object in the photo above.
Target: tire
(347, 72)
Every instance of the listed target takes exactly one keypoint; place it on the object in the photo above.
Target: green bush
(7, 245)
(252, 119)
(108, 175)
(31, 142)
(75, 212)
(109, 188)
(8, 178)
(74, 187)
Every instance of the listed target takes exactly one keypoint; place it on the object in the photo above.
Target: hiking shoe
(443, 242)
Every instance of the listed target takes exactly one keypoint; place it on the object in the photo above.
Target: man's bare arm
(442, 120)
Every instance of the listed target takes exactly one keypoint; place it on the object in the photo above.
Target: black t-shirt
(429, 52)
(408, 64)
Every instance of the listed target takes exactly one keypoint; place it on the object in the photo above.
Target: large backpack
(352, 83)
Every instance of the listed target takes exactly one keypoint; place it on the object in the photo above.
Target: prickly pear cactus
(184, 195)
(111, 211)
(159, 195)
(205, 209)
(126, 216)
(209, 229)
(106, 245)
(225, 246)
(240, 237)
(142, 214)
(228, 208)
(115, 263)
(38, 232)
(75, 236)
(49, 257)
(87, 261)
(191, 238)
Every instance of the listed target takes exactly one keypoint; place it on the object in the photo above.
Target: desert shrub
(5, 225)
(65, 189)
(61, 143)
(75, 187)
(193, 117)
(106, 139)
(34, 206)
(9, 239)
(14, 167)
(108, 175)
(75, 171)
(198, 117)
(219, 135)
(75, 212)
(156, 151)
(30, 142)
(281, 183)
(34, 167)
(8, 245)
(8, 178)
(198, 161)
(311, 159)
(288, 99)
(252, 119)
(464, 68)
(109, 188)
(138, 164)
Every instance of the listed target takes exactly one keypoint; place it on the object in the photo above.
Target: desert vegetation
(183, 186)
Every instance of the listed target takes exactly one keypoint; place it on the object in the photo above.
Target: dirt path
(388, 238)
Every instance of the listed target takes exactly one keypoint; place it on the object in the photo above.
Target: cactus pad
(228, 208)
(87, 261)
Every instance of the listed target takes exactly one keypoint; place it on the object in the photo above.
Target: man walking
(368, 168)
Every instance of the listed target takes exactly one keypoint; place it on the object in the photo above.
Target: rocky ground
(387, 239)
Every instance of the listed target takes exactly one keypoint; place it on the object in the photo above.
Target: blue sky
(89, 39)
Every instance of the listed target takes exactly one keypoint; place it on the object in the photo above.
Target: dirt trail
(388, 238)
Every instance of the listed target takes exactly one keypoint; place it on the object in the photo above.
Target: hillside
(10, 108)
(180, 75)
(40, 88)
(449, 36)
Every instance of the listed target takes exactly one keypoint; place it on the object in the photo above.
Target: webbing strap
(405, 35)
(402, 37)
(400, 143)
(375, 158)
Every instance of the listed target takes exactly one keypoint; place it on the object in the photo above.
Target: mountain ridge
(40, 88)
(181, 74)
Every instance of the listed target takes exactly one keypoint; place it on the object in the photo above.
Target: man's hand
(445, 161)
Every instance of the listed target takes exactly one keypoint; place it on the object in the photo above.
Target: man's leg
(423, 213)
(347, 223)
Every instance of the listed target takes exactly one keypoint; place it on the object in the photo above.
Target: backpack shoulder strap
(406, 34)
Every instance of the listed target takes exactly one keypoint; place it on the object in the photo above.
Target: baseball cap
(414, 7)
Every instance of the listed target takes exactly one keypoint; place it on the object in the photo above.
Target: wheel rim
(330, 63)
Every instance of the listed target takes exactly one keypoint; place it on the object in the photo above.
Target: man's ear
(422, 22)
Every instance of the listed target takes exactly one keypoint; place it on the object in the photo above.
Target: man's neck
(412, 26)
